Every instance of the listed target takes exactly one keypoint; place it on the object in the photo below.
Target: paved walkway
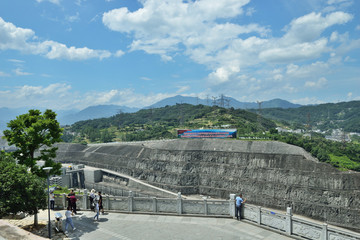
(150, 227)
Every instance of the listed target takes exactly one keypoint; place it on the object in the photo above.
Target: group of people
(96, 203)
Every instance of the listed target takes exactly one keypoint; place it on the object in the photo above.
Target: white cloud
(200, 30)
(306, 71)
(55, 50)
(318, 84)
(357, 27)
(296, 52)
(17, 61)
(19, 72)
(119, 53)
(52, 1)
(307, 101)
(21, 39)
(61, 96)
(336, 1)
(73, 18)
(3, 74)
(250, 11)
(309, 27)
(183, 89)
(79, 2)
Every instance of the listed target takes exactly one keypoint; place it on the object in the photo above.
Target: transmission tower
(222, 102)
(227, 103)
(214, 101)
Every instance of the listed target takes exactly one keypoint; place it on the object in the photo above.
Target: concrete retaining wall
(269, 174)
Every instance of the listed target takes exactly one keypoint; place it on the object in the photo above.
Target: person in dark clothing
(72, 201)
(101, 207)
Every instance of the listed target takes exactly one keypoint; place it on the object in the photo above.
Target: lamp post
(47, 170)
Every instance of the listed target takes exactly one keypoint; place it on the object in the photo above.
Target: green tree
(33, 132)
(21, 191)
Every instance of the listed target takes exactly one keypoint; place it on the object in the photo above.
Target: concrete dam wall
(269, 174)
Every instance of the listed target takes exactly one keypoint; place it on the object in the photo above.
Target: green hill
(345, 115)
(163, 122)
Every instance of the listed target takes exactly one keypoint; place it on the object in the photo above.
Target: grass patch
(343, 162)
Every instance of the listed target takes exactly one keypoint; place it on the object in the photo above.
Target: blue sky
(65, 54)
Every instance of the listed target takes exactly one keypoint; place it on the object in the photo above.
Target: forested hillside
(163, 122)
(344, 115)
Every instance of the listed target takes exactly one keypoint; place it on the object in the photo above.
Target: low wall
(275, 220)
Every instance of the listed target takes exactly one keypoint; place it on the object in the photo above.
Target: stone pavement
(150, 227)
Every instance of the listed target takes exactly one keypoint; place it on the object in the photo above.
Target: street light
(47, 170)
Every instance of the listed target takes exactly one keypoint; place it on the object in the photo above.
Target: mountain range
(68, 117)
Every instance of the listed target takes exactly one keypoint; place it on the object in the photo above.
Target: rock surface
(270, 174)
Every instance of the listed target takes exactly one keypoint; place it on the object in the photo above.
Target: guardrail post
(205, 207)
(232, 205)
(64, 199)
(324, 233)
(259, 216)
(85, 205)
(107, 202)
(130, 201)
(154, 204)
(179, 203)
(288, 225)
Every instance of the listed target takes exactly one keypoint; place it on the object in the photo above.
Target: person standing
(73, 203)
(91, 198)
(101, 206)
(68, 197)
(52, 200)
(69, 220)
(96, 208)
(238, 204)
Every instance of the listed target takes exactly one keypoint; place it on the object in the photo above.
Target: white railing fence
(285, 223)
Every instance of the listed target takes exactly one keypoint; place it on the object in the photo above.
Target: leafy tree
(33, 132)
(21, 191)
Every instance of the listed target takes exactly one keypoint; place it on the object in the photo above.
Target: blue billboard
(207, 133)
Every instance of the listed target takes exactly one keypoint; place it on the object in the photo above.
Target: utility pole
(308, 121)
(181, 117)
(259, 114)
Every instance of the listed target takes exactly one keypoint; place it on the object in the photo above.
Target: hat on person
(92, 190)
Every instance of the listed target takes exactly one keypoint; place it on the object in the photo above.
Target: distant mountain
(224, 102)
(279, 103)
(94, 112)
(67, 117)
(7, 114)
